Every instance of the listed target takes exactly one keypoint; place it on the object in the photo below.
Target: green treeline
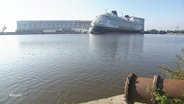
(154, 31)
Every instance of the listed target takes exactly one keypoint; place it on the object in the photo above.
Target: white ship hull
(102, 29)
(110, 22)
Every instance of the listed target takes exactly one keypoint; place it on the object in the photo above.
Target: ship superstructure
(111, 22)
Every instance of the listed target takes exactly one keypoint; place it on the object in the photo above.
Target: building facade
(55, 26)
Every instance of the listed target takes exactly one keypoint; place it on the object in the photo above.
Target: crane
(4, 28)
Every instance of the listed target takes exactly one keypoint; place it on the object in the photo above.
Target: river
(73, 68)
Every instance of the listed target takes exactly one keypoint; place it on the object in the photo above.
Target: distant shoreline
(154, 31)
(69, 32)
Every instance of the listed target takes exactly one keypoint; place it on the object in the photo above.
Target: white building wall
(41, 26)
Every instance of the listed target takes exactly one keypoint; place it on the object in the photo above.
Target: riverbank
(27, 33)
(118, 99)
(154, 31)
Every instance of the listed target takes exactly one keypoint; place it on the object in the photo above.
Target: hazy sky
(158, 14)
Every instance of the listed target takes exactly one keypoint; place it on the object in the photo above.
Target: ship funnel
(114, 12)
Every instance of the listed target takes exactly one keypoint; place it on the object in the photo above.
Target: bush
(176, 73)
(164, 99)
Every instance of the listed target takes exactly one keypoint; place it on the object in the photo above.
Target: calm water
(78, 67)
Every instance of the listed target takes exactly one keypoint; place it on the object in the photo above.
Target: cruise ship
(111, 22)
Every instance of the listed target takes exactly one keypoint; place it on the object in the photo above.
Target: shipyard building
(55, 26)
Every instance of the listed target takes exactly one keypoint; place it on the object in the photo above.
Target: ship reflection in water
(118, 47)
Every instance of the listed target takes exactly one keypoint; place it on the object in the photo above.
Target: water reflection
(129, 41)
(118, 45)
